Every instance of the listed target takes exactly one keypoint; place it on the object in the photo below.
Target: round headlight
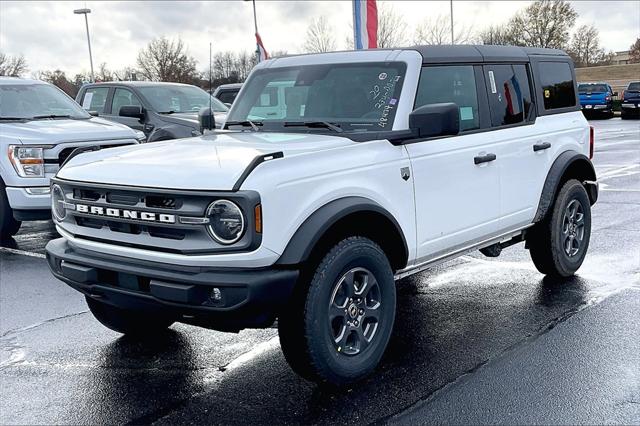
(226, 221)
(57, 203)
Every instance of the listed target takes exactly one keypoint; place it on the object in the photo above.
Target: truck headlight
(27, 160)
(58, 203)
(226, 221)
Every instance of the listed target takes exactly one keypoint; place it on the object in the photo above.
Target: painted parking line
(22, 252)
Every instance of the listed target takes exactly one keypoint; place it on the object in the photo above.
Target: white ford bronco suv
(386, 162)
(40, 126)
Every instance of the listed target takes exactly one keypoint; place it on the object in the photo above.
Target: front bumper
(28, 204)
(227, 299)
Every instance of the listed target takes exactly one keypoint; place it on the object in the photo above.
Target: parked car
(596, 98)
(40, 127)
(162, 111)
(227, 92)
(386, 163)
(631, 101)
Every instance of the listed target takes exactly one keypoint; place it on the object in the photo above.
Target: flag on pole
(262, 52)
(365, 24)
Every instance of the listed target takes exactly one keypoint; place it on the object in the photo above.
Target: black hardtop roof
(482, 53)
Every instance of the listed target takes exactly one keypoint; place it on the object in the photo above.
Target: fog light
(216, 295)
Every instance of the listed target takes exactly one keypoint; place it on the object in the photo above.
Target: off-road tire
(9, 226)
(130, 323)
(305, 329)
(547, 240)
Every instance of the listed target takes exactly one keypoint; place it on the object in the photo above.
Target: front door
(457, 183)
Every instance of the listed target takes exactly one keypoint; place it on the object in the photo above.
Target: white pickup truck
(40, 126)
(383, 163)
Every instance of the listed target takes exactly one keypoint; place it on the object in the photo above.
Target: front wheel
(126, 321)
(337, 328)
(559, 244)
(9, 226)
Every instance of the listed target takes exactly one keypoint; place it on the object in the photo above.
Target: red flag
(262, 52)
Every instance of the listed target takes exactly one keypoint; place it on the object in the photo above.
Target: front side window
(509, 94)
(95, 99)
(37, 101)
(457, 84)
(168, 99)
(123, 97)
(557, 85)
(355, 96)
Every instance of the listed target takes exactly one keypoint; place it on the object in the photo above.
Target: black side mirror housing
(435, 120)
(206, 119)
(132, 111)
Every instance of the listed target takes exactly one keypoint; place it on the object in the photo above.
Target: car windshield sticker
(492, 80)
(86, 103)
(466, 113)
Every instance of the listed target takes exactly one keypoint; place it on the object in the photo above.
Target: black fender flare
(305, 238)
(566, 161)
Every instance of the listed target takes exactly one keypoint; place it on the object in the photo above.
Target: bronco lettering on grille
(126, 214)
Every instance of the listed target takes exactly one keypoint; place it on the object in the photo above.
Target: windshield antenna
(210, 87)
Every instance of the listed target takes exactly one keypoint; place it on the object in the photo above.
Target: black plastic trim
(26, 215)
(255, 163)
(300, 246)
(554, 177)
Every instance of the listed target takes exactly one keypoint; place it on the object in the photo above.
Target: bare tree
(437, 30)
(634, 52)
(320, 36)
(498, 35)
(585, 46)
(544, 23)
(13, 66)
(392, 29)
(59, 78)
(167, 60)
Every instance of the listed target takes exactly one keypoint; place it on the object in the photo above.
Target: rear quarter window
(557, 85)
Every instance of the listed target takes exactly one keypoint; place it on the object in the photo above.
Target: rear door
(522, 150)
(457, 200)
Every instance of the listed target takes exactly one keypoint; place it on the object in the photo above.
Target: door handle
(486, 158)
(541, 146)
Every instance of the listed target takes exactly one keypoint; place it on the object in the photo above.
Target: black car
(161, 110)
(227, 92)
(631, 101)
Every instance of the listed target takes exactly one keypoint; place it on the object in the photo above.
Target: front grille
(151, 219)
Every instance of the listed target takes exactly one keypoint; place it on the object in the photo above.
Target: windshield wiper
(40, 117)
(13, 118)
(254, 124)
(314, 124)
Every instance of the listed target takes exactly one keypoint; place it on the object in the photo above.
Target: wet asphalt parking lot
(477, 340)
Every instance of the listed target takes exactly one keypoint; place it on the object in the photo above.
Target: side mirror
(435, 120)
(132, 111)
(206, 119)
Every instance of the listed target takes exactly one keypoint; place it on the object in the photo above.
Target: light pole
(85, 12)
(255, 24)
(451, 3)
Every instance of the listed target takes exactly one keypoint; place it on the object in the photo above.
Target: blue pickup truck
(596, 98)
(631, 101)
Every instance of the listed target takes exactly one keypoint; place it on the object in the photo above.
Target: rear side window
(509, 94)
(455, 84)
(95, 99)
(557, 85)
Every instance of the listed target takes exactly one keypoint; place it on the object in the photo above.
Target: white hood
(53, 132)
(211, 162)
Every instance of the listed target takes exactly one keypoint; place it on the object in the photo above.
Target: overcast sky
(50, 36)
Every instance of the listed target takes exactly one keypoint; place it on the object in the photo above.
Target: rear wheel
(125, 321)
(337, 328)
(559, 244)
(9, 226)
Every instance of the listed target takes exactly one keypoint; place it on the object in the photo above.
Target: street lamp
(85, 12)
(255, 25)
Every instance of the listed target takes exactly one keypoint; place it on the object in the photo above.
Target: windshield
(592, 88)
(33, 101)
(634, 87)
(355, 97)
(176, 98)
